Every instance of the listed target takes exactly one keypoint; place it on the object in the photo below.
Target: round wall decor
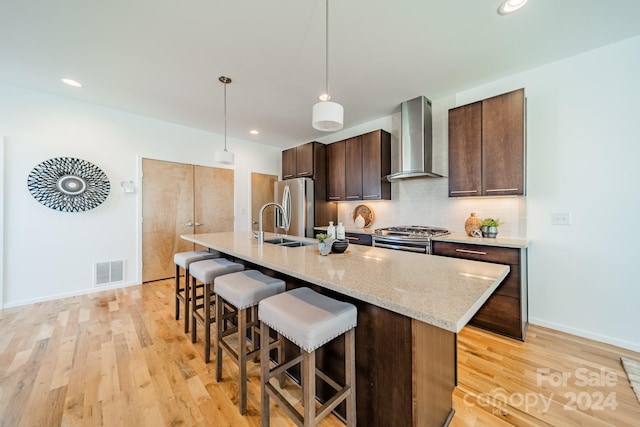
(67, 184)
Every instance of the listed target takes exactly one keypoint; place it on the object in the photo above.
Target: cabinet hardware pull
(463, 191)
(353, 197)
(304, 173)
(334, 198)
(466, 251)
(503, 189)
(288, 176)
(352, 238)
(371, 196)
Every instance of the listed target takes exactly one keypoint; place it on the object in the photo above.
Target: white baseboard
(586, 334)
(68, 294)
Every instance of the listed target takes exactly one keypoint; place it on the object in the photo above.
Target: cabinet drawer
(500, 314)
(359, 239)
(484, 253)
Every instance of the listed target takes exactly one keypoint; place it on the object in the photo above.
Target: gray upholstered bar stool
(309, 320)
(240, 293)
(184, 260)
(206, 272)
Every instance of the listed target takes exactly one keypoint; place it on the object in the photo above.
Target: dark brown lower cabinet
(506, 311)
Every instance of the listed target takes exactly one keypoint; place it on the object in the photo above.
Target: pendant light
(224, 157)
(327, 116)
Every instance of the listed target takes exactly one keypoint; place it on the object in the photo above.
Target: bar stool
(184, 260)
(309, 320)
(242, 292)
(206, 272)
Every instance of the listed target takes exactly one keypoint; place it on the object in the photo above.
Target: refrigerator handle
(286, 205)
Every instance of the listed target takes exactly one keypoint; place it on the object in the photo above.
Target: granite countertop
(505, 242)
(444, 292)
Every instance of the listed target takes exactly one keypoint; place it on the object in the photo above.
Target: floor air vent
(109, 272)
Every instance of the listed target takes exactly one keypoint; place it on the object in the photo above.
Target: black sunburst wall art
(67, 184)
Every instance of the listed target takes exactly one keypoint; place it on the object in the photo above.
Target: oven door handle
(400, 247)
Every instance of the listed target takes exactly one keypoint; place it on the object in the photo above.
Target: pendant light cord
(326, 50)
(225, 116)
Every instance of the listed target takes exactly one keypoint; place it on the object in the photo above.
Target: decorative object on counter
(472, 225)
(359, 221)
(340, 231)
(328, 243)
(339, 246)
(331, 230)
(366, 213)
(489, 227)
(321, 241)
(68, 184)
(225, 157)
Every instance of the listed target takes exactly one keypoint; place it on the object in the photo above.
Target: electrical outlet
(561, 218)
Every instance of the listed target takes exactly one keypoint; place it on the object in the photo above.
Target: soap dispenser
(331, 230)
(340, 231)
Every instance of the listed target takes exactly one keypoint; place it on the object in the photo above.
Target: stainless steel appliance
(296, 197)
(413, 238)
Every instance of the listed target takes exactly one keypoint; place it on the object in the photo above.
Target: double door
(178, 199)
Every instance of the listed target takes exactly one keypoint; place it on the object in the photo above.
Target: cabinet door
(465, 150)
(289, 163)
(376, 164)
(304, 160)
(353, 168)
(503, 144)
(335, 171)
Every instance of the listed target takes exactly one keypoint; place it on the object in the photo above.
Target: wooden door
(167, 211)
(335, 171)
(213, 200)
(503, 144)
(261, 193)
(353, 168)
(465, 150)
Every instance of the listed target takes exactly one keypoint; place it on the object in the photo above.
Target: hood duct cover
(416, 151)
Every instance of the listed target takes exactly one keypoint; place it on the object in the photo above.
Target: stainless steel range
(413, 238)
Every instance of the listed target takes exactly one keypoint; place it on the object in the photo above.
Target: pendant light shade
(327, 116)
(224, 156)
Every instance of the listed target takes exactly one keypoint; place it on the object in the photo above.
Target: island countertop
(443, 292)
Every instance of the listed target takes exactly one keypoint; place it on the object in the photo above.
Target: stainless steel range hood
(416, 148)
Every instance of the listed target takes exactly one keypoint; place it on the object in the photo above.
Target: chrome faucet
(284, 219)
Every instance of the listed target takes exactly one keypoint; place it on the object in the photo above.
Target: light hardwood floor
(118, 358)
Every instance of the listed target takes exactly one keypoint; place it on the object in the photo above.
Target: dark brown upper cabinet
(300, 161)
(487, 147)
(356, 167)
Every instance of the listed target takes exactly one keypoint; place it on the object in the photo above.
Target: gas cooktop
(411, 231)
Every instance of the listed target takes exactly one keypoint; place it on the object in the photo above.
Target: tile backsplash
(425, 201)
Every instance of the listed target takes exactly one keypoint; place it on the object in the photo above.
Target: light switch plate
(560, 218)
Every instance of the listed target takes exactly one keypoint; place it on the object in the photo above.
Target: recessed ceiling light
(71, 82)
(510, 6)
(254, 132)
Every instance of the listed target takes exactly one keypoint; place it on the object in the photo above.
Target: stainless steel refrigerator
(297, 198)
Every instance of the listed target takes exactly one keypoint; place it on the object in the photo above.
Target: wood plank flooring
(118, 358)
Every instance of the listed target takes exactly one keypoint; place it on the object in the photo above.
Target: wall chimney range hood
(416, 148)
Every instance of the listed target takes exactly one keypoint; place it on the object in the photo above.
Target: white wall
(51, 254)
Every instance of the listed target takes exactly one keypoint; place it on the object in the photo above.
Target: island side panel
(434, 374)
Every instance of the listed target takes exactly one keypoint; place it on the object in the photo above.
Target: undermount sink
(288, 242)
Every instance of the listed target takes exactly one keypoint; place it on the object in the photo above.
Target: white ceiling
(162, 58)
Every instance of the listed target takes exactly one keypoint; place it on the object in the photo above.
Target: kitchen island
(410, 308)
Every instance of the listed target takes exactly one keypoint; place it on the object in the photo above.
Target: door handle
(189, 224)
(198, 224)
